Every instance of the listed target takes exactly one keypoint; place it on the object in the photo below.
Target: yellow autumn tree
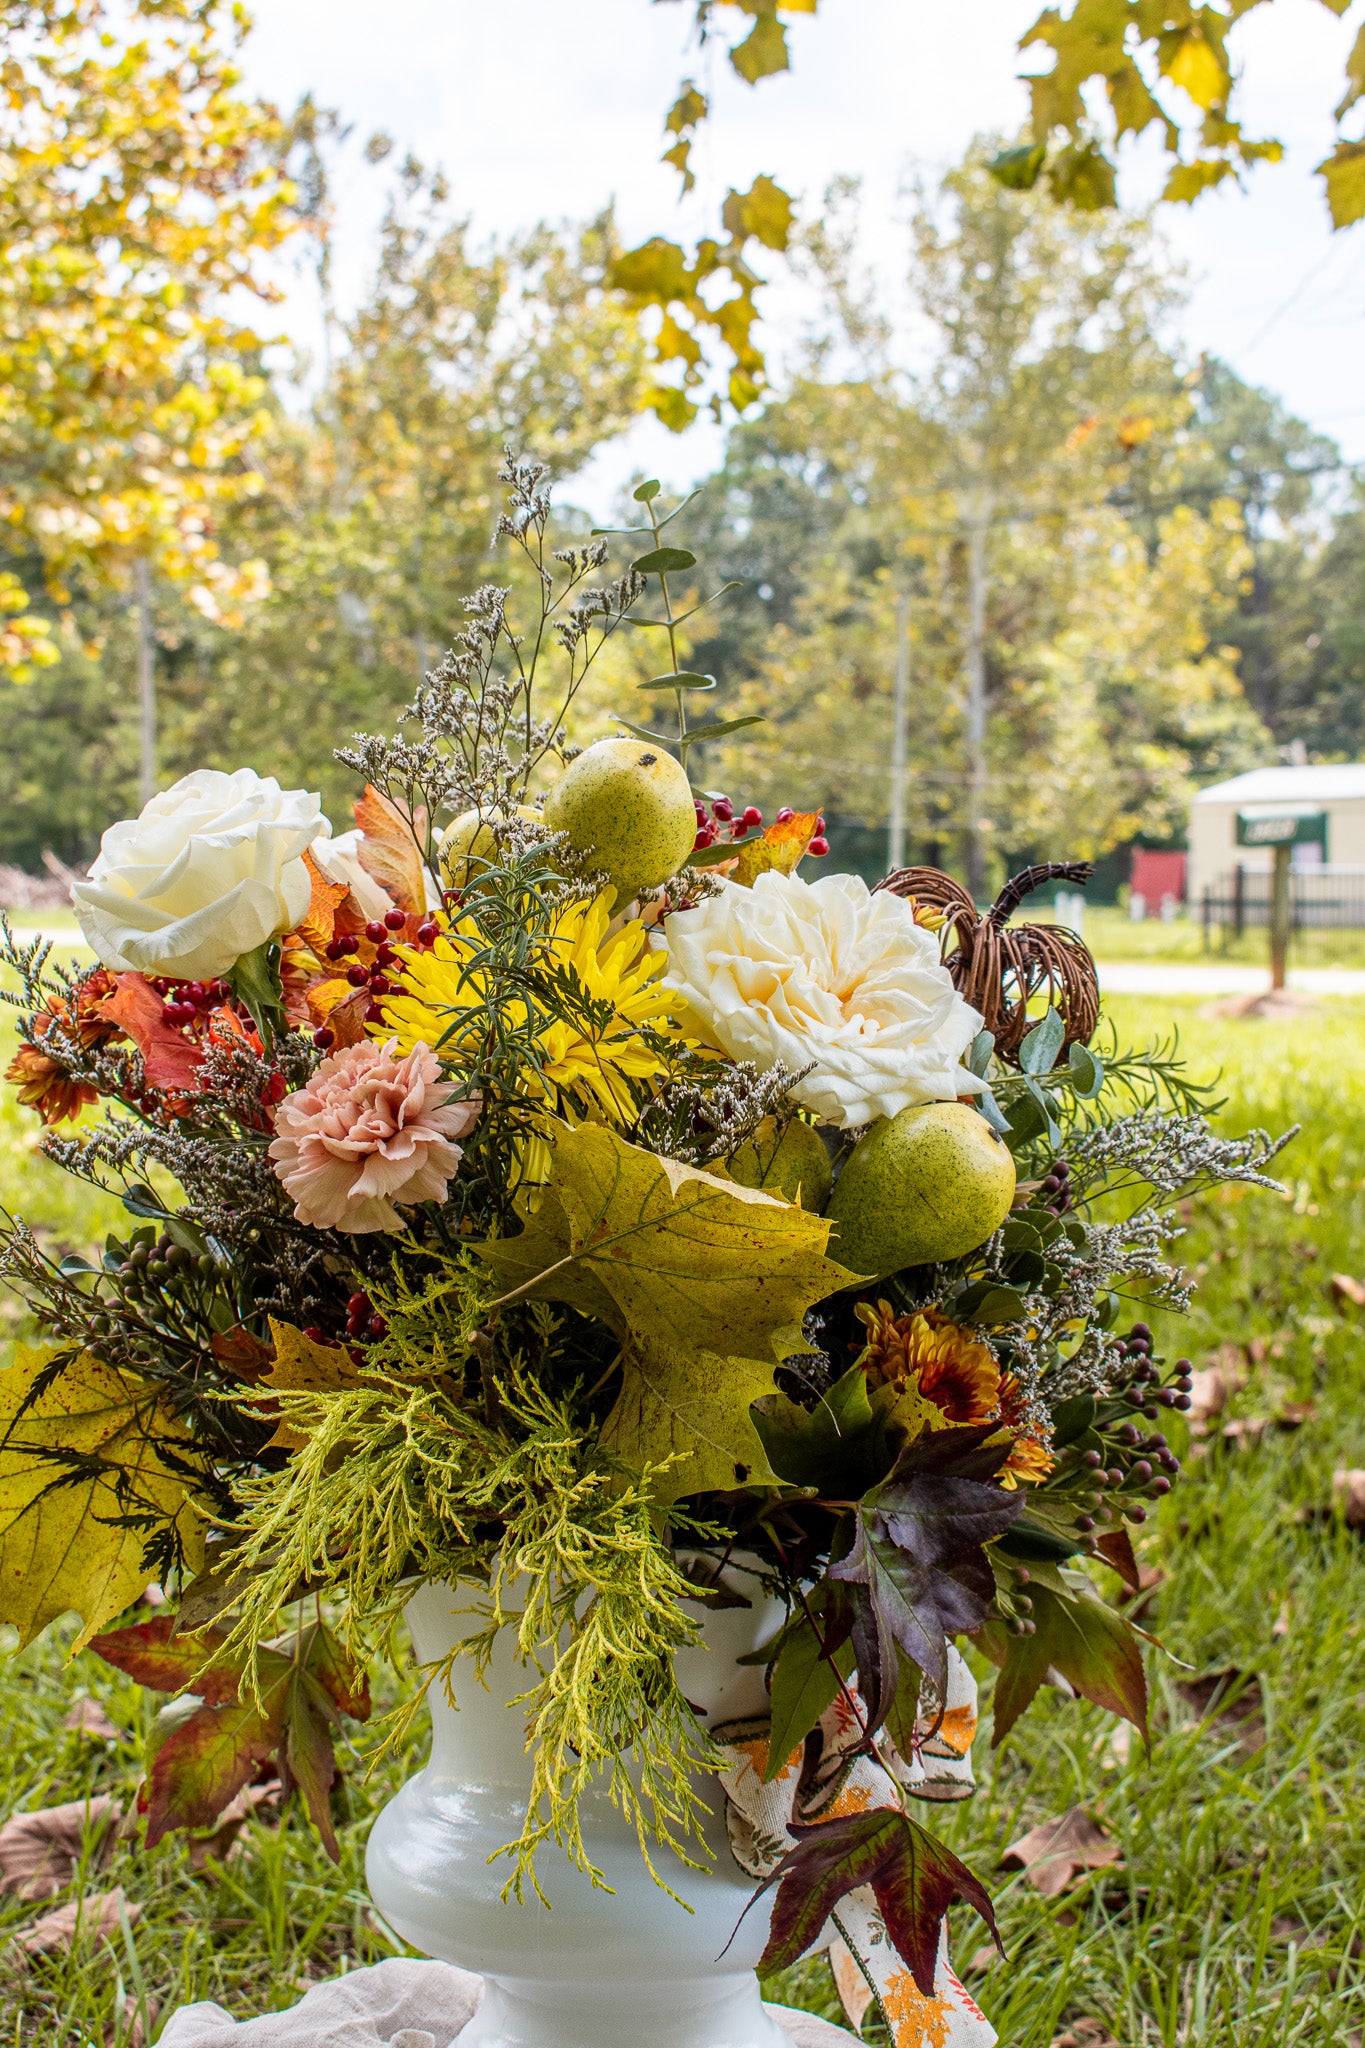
(140, 191)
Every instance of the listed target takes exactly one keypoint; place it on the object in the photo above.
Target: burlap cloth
(396, 2004)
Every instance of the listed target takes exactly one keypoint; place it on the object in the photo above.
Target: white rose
(211, 869)
(832, 973)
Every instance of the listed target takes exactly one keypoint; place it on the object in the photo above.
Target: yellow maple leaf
(1197, 67)
(91, 1478)
(704, 1282)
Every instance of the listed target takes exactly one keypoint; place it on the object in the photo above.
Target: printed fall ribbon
(865, 1964)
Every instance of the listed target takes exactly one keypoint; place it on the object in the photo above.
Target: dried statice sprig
(1173, 1156)
(483, 729)
(703, 1117)
(1112, 1258)
(231, 1193)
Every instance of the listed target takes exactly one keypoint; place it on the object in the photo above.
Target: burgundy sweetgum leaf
(310, 1762)
(156, 1657)
(919, 1551)
(1092, 1647)
(204, 1762)
(913, 1876)
(345, 1682)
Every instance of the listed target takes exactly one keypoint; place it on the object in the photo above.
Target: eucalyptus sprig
(663, 561)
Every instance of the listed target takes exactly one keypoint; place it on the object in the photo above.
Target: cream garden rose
(832, 974)
(210, 869)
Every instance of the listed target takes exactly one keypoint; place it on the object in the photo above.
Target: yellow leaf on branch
(704, 1283)
(96, 1479)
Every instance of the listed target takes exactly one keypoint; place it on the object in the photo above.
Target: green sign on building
(1283, 825)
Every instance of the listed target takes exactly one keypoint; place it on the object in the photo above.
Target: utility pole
(895, 831)
(976, 697)
(146, 681)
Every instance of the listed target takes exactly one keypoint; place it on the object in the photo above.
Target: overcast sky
(539, 109)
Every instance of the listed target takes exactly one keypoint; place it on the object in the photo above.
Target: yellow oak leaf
(96, 1491)
(303, 1367)
(704, 1282)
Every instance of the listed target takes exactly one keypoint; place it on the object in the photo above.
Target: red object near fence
(1156, 876)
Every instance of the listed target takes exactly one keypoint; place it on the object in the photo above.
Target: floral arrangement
(546, 1187)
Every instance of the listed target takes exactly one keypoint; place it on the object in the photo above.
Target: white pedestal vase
(600, 1969)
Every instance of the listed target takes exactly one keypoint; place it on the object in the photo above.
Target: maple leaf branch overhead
(1119, 68)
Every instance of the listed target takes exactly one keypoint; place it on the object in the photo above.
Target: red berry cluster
(720, 826)
(184, 1002)
(819, 845)
(379, 975)
(362, 1320)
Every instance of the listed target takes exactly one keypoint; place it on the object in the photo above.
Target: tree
(1134, 52)
(140, 194)
(1070, 673)
(1113, 65)
(371, 519)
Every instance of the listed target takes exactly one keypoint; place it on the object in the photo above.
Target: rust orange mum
(949, 1366)
(37, 1069)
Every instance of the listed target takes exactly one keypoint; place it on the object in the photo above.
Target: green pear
(628, 808)
(470, 842)
(790, 1162)
(927, 1185)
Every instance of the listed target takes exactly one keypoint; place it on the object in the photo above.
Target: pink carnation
(368, 1130)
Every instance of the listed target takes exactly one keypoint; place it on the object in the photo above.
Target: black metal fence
(1326, 914)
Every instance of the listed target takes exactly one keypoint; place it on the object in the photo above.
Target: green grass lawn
(1236, 1918)
(1111, 935)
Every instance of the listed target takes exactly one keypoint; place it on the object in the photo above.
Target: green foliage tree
(371, 517)
(141, 191)
(1091, 684)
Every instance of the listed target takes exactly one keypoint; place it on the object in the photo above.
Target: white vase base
(528, 2013)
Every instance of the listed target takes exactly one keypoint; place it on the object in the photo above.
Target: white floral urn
(599, 1969)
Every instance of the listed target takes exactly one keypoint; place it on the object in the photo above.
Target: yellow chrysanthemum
(587, 1061)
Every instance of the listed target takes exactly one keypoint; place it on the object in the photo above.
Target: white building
(1328, 799)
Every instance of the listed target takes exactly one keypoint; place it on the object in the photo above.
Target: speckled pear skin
(792, 1163)
(629, 807)
(930, 1184)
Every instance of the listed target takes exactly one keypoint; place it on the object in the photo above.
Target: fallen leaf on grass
(87, 1717)
(1244, 1429)
(92, 1916)
(1344, 1289)
(1210, 1392)
(1085, 2034)
(231, 1821)
(40, 1851)
(1348, 1496)
(1293, 1414)
(1057, 1852)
